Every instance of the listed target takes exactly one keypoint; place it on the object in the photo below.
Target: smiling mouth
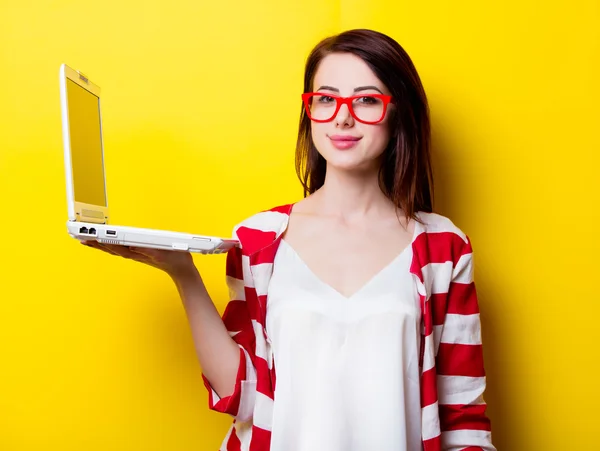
(344, 142)
(344, 138)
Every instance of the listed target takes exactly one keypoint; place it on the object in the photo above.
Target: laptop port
(83, 230)
(92, 231)
(111, 232)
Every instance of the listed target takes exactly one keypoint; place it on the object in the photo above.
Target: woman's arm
(217, 352)
(237, 397)
(460, 370)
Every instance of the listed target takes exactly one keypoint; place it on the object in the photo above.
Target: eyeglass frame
(339, 101)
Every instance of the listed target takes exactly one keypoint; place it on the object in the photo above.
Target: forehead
(345, 71)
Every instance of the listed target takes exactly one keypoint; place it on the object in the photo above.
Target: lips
(344, 142)
(344, 138)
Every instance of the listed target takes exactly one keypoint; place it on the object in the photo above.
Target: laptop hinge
(93, 216)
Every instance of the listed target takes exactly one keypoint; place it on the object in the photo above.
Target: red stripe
(233, 265)
(433, 444)
(234, 444)
(457, 417)
(428, 319)
(461, 299)
(261, 439)
(266, 254)
(237, 319)
(254, 240)
(429, 393)
(460, 360)
(439, 303)
(440, 247)
(236, 315)
(422, 303)
(263, 382)
(254, 308)
(286, 209)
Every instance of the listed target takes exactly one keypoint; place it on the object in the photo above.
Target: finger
(122, 251)
(96, 245)
(113, 250)
(150, 253)
(117, 250)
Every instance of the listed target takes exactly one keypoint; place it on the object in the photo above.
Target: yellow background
(200, 104)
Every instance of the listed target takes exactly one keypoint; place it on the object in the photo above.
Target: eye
(368, 100)
(325, 99)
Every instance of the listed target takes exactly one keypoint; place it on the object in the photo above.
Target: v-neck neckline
(373, 279)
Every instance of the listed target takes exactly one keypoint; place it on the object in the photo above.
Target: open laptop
(86, 179)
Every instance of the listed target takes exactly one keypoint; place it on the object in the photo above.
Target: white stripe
(248, 280)
(243, 431)
(215, 398)
(463, 438)
(266, 221)
(429, 354)
(428, 273)
(462, 329)
(236, 288)
(263, 414)
(437, 276)
(262, 275)
(247, 400)
(430, 420)
(442, 275)
(250, 370)
(261, 350)
(420, 287)
(463, 272)
(461, 390)
(435, 222)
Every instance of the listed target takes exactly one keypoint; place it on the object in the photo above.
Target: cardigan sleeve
(460, 370)
(240, 404)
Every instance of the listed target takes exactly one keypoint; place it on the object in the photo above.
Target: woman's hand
(174, 263)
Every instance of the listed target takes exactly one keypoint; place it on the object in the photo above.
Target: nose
(343, 117)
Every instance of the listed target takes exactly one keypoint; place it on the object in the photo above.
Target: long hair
(405, 175)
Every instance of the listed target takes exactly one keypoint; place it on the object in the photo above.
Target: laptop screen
(86, 145)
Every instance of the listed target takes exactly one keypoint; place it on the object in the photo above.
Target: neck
(351, 194)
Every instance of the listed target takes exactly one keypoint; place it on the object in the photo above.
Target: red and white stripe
(452, 372)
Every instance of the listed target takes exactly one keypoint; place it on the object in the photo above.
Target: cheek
(378, 138)
(318, 133)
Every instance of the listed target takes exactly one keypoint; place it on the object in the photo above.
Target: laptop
(86, 179)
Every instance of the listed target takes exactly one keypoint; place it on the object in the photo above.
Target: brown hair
(406, 175)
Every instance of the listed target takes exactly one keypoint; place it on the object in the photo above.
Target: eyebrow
(360, 88)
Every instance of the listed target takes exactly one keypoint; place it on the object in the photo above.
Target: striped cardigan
(451, 359)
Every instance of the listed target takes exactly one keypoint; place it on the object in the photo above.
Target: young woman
(354, 321)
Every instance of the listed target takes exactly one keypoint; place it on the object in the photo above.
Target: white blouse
(347, 368)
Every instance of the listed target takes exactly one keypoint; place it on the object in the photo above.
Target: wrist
(185, 276)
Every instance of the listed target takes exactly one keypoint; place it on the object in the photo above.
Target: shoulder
(440, 240)
(435, 223)
(262, 228)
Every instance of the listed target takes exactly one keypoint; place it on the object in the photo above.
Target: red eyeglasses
(365, 108)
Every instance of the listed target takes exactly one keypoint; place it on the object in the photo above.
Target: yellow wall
(200, 103)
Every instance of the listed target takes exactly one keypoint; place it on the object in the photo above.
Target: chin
(350, 160)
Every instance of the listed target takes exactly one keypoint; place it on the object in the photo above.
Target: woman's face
(345, 74)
